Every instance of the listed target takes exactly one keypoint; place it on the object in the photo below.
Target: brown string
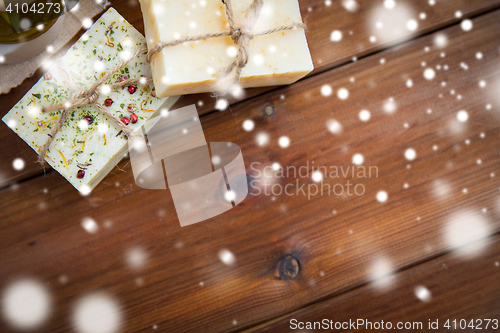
(90, 96)
(240, 34)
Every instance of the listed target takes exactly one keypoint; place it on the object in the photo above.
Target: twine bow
(90, 96)
(240, 34)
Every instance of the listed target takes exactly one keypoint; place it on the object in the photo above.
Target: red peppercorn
(80, 174)
(132, 89)
(125, 120)
(108, 102)
(133, 118)
(89, 119)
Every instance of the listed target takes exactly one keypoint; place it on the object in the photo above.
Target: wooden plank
(456, 288)
(321, 20)
(41, 233)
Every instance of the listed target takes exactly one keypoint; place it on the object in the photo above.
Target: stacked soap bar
(274, 59)
(89, 145)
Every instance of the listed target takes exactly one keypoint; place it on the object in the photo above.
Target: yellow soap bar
(275, 59)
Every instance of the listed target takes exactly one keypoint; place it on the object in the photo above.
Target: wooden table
(302, 257)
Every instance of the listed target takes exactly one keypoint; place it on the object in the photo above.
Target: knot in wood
(268, 110)
(289, 267)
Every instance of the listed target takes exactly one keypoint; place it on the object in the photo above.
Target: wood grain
(183, 285)
(460, 289)
(321, 20)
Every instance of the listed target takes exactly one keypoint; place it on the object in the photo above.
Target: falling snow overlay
(373, 182)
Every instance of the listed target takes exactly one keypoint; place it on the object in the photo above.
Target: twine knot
(236, 36)
(88, 95)
(83, 97)
(239, 33)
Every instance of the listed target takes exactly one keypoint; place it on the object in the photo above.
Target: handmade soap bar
(278, 58)
(89, 145)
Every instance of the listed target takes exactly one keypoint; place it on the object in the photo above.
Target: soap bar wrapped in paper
(88, 144)
(274, 42)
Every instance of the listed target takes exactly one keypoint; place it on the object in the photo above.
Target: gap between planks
(493, 238)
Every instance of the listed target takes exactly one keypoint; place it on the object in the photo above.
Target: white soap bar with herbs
(89, 145)
(275, 59)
